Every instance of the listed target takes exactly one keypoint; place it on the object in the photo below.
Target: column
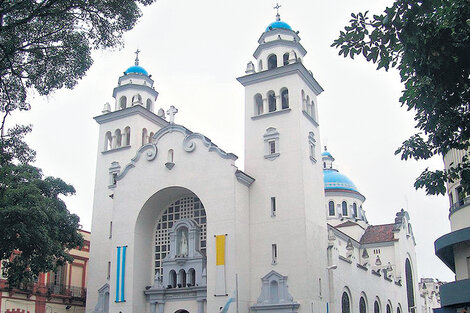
(265, 105)
(153, 307)
(200, 306)
(278, 103)
(160, 307)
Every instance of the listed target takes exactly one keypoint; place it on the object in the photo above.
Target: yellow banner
(220, 249)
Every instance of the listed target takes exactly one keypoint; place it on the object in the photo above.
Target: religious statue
(183, 244)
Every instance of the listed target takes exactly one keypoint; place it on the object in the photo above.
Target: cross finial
(278, 17)
(137, 57)
(171, 112)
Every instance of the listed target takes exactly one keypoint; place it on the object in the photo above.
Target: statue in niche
(183, 242)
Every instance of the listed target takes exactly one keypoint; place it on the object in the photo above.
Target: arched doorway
(181, 311)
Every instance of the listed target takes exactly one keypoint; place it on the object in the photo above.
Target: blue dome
(335, 180)
(327, 154)
(278, 24)
(136, 69)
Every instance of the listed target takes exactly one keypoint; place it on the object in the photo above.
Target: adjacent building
(454, 248)
(62, 291)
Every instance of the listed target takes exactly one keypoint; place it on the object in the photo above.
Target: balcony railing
(65, 290)
(459, 205)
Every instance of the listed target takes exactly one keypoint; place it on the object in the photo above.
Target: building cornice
(278, 72)
(134, 110)
(135, 87)
(279, 42)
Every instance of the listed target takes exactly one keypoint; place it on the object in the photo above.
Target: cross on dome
(278, 17)
(137, 56)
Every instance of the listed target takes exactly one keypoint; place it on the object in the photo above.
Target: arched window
(410, 294)
(172, 279)
(285, 98)
(127, 132)
(118, 136)
(389, 308)
(344, 207)
(260, 65)
(272, 61)
(170, 155)
(271, 101)
(181, 278)
(331, 208)
(149, 105)
(285, 58)
(274, 292)
(137, 99)
(398, 308)
(150, 137)
(258, 104)
(345, 304)
(108, 141)
(362, 305)
(123, 102)
(354, 210)
(192, 277)
(376, 306)
(144, 136)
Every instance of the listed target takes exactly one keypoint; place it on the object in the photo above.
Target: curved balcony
(459, 205)
(455, 294)
(444, 246)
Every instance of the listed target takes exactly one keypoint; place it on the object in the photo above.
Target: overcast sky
(195, 50)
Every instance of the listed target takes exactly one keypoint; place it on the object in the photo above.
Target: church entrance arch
(181, 311)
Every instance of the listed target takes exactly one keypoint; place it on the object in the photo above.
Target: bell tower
(124, 128)
(282, 151)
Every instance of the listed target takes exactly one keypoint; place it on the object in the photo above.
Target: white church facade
(177, 227)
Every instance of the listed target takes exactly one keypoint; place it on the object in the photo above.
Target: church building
(178, 228)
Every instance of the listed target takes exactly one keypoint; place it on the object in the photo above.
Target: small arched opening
(344, 207)
(149, 105)
(331, 208)
(144, 136)
(271, 101)
(181, 278)
(272, 61)
(345, 303)
(377, 306)
(137, 99)
(285, 58)
(362, 305)
(170, 155)
(127, 132)
(354, 210)
(122, 102)
(274, 292)
(172, 279)
(258, 104)
(192, 277)
(108, 141)
(260, 65)
(285, 98)
(150, 137)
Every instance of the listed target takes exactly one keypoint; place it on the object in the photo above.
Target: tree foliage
(37, 229)
(429, 43)
(46, 44)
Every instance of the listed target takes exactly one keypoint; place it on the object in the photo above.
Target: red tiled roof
(378, 233)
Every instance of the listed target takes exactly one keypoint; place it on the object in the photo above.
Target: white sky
(195, 50)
